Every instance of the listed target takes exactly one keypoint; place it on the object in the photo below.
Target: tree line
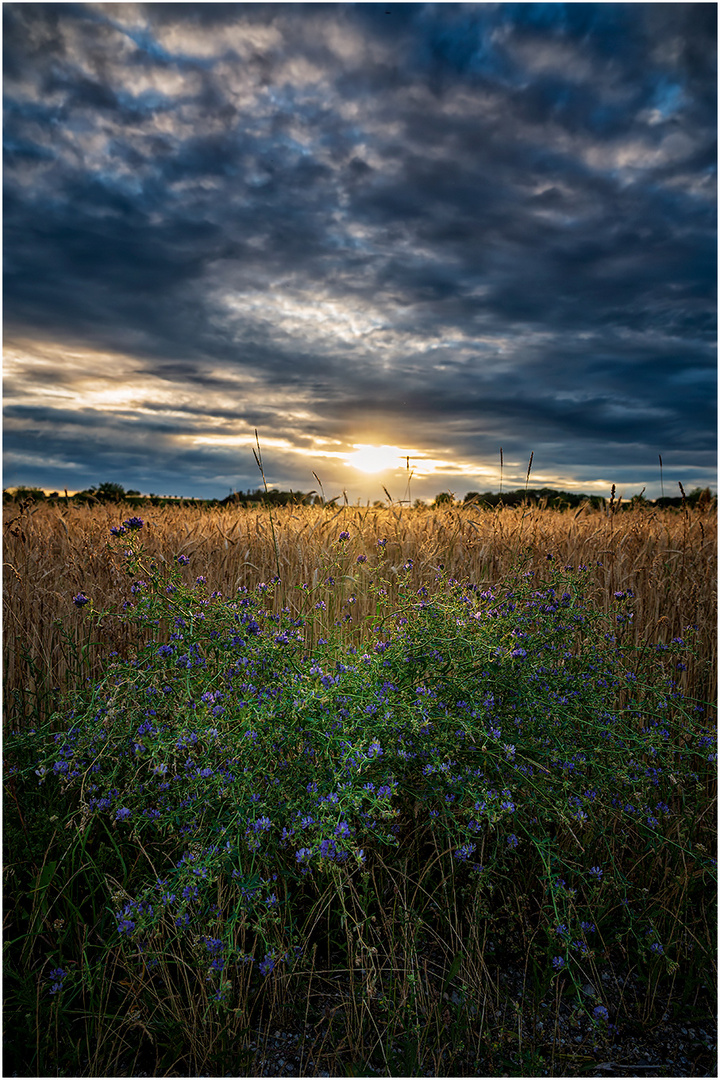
(545, 497)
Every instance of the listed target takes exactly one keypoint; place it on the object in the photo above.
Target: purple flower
(57, 975)
(344, 535)
(125, 924)
(182, 560)
(361, 558)
(596, 872)
(657, 948)
(123, 814)
(558, 963)
(600, 1014)
(267, 964)
(134, 523)
(118, 530)
(81, 600)
(201, 580)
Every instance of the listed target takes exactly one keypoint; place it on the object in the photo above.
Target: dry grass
(51, 553)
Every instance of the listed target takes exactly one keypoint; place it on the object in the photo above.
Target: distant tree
(20, 494)
(272, 497)
(701, 497)
(131, 491)
(108, 492)
(444, 498)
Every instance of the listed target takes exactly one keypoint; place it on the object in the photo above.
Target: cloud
(462, 226)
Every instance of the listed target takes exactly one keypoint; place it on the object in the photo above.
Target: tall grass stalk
(258, 458)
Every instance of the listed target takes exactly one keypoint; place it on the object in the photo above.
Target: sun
(374, 459)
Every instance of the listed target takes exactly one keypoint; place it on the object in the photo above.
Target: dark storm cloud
(453, 226)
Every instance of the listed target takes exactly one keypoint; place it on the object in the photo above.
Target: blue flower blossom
(57, 975)
(266, 965)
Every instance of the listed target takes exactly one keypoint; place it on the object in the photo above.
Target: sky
(391, 238)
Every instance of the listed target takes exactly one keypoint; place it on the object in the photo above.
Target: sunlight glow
(374, 459)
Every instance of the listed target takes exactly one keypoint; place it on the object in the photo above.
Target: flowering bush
(500, 739)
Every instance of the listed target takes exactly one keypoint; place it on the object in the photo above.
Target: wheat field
(53, 552)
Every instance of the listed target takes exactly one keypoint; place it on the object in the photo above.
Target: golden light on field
(374, 459)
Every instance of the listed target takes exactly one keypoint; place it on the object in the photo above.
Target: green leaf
(454, 968)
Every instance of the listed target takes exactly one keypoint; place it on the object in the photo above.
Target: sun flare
(374, 459)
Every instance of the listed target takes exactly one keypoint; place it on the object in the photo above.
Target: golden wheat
(51, 553)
